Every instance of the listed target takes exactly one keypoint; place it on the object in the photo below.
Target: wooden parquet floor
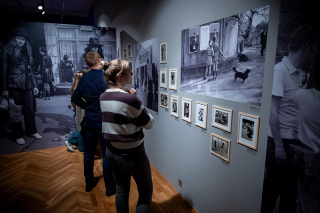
(52, 181)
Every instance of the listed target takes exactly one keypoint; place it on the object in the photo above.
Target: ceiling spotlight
(41, 5)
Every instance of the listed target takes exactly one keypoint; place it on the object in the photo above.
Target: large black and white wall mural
(62, 46)
(146, 62)
(225, 58)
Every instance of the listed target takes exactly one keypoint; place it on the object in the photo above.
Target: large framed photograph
(220, 147)
(248, 129)
(186, 109)
(175, 105)
(163, 53)
(173, 79)
(129, 51)
(201, 114)
(222, 118)
(125, 53)
(164, 99)
(163, 77)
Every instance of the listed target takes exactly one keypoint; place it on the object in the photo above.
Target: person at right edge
(86, 96)
(123, 120)
(280, 179)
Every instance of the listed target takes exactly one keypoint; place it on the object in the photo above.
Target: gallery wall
(180, 150)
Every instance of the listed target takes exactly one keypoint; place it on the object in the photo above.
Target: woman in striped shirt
(123, 120)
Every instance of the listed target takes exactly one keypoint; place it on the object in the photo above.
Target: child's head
(77, 77)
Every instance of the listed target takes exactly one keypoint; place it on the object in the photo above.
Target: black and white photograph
(125, 53)
(222, 118)
(54, 56)
(225, 58)
(201, 114)
(175, 105)
(130, 65)
(248, 128)
(173, 79)
(164, 98)
(163, 77)
(220, 147)
(146, 72)
(129, 51)
(294, 115)
(186, 109)
(163, 53)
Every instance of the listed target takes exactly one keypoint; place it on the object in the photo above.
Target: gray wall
(180, 150)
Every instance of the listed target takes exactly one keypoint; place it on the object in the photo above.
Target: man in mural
(45, 69)
(66, 70)
(280, 176)
(94, 45)
(18, 82)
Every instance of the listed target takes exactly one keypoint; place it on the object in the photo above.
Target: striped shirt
(123, 119)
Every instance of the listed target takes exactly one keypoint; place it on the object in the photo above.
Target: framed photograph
(201, 114)
(125, 53)
(129, 51)
(186, 109)
(163, 53)
(248, 129)
(173, 79)
(175, 106)
(164, 99)
(220, 147)
(163, 77)
(222, 118)
(130, 65)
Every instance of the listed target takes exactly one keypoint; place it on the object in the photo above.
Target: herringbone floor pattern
(52, 181)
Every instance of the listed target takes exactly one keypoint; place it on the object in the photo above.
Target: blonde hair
(77, 77)
(92, 58)
(113, 68)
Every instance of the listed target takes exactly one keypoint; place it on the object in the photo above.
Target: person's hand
(5, 94)
(133, 91)
(35, 91)
(280, 155)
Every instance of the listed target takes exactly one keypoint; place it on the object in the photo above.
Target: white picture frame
(164, 100)
(163, 77)
(163, 53)
(186, 110)
(175, 106)
(173, 78)
(220, 147)
(201, 114)
(222, 118)
(248, 130)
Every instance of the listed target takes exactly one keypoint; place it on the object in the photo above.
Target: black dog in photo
(243, 75)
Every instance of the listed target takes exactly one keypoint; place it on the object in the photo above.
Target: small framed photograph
(129, 51)
(130, 65)
(173, 79)
(175, 106)
(201, 114)
(164, 99)
(220, 147)
(125, 53)
(248, 129)
(163, 53)
(186, 109)
(163, 77)
(222, 118)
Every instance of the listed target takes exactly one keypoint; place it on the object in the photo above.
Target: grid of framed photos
(248, 128)
(186, 109)
(175, 105)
